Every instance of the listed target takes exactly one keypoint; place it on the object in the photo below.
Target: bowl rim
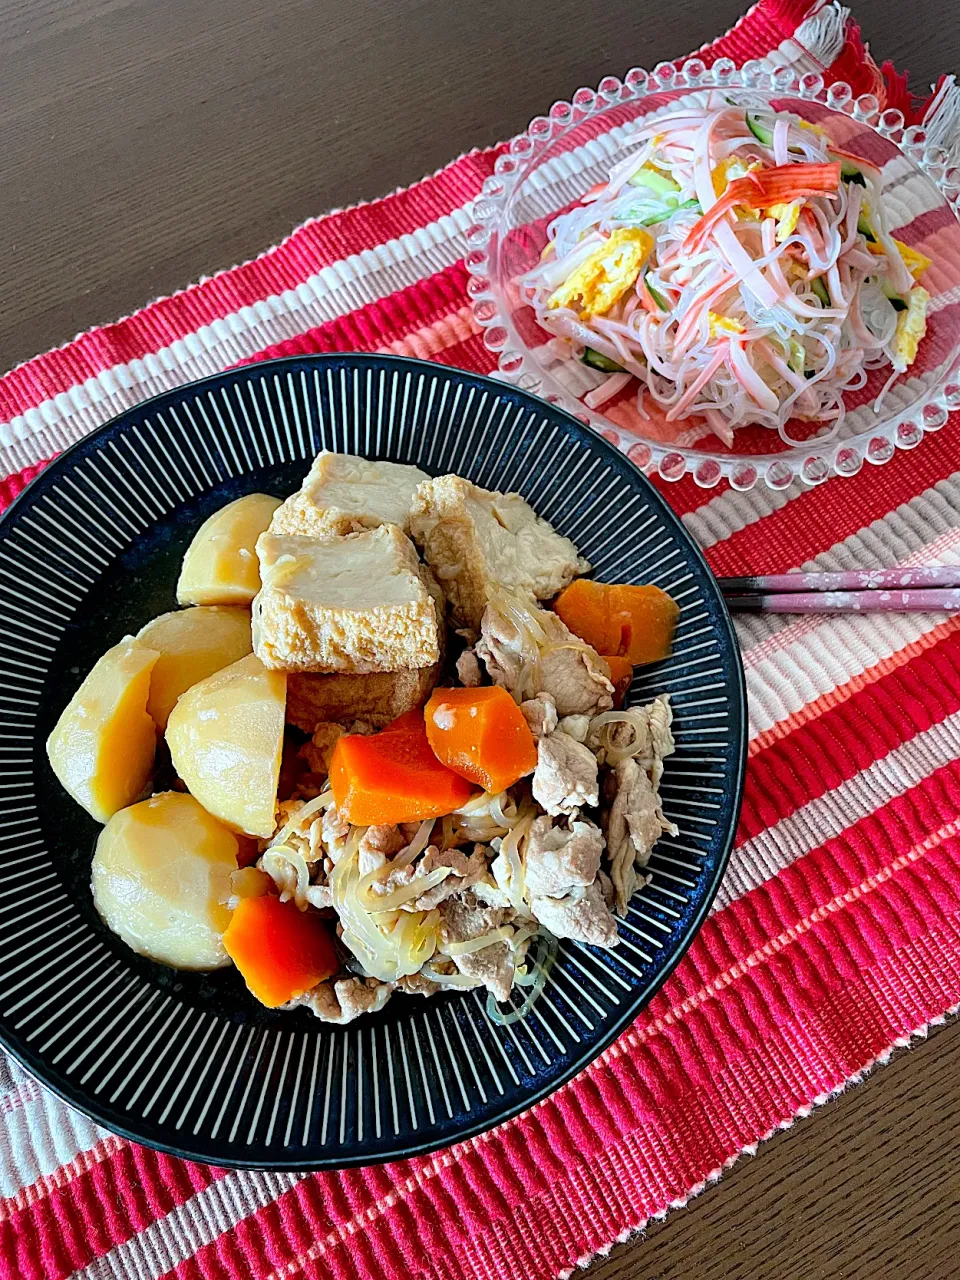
(810, 462)
(85, 1103)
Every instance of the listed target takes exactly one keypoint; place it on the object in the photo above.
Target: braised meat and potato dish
(380, 748)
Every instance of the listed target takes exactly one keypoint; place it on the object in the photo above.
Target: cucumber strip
(797, 355)
(666, 213)
(888, 291)
(820, 289)
(655, 181)
(863, 226)
(851, 173)
(759, 130)
(596, 360)
(655, 294)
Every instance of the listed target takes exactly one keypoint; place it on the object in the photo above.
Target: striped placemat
(837, 932)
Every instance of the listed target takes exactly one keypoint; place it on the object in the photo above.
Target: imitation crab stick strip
(699, 383)
(749, 379)
(687, 328)
(761, 188)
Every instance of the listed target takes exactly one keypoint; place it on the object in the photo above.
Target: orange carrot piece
(621, 673)
(393, 776)
(281, 951)
(648, 618)
(636, 623)
(585, 608)
(482, 735)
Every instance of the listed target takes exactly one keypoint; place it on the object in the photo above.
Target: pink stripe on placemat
(837, 930)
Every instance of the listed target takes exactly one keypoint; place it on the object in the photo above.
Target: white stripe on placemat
(790, 662)
(904, 536)
(338, 289)
(826, 817)
(170, 1240)
(38, 1135)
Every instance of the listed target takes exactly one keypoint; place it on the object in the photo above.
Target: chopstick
(903, 590)
(935, 575)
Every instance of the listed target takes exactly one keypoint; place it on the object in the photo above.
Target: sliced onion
(546, 955)
(288, 870)
(416, 845)
(523, 935)
(416, 936)
(375, 903)
(448, 979)
(529, 631)
(299, 818)
(488, 813)
(478, 802)
(503, 934)
(389, 945)
(638, 722)
(513, 883)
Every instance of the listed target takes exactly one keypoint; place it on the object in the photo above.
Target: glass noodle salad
(738, 265)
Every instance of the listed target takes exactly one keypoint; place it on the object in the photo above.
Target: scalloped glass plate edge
(811, 463)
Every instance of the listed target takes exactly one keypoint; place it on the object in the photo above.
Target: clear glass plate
(550, 166)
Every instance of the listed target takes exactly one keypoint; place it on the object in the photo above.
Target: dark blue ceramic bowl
(190, 1062)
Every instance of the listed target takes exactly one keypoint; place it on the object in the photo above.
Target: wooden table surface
(147, 142)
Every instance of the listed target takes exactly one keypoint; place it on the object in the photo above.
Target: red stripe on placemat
(820, 755)
(469, 354)
(812, 710)
(12, 486)
(308, 250)
(682, 1059)
(765, 26)
(378, 324)
(585, 1209)
(803, 528)
(103, 1206)
(368, 328)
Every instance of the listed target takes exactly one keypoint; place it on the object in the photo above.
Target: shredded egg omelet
(911, 327)
(606, 275)
(721, 326)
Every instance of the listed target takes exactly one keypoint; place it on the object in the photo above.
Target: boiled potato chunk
(193, 644)
(161, 880)
(221, 565)
(226, 737)
(103, 745)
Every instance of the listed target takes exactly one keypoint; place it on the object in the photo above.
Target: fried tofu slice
(353, 604)
(378, 697)
(342, 493)
(475, 539)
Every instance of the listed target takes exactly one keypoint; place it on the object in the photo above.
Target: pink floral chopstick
(923, 588)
